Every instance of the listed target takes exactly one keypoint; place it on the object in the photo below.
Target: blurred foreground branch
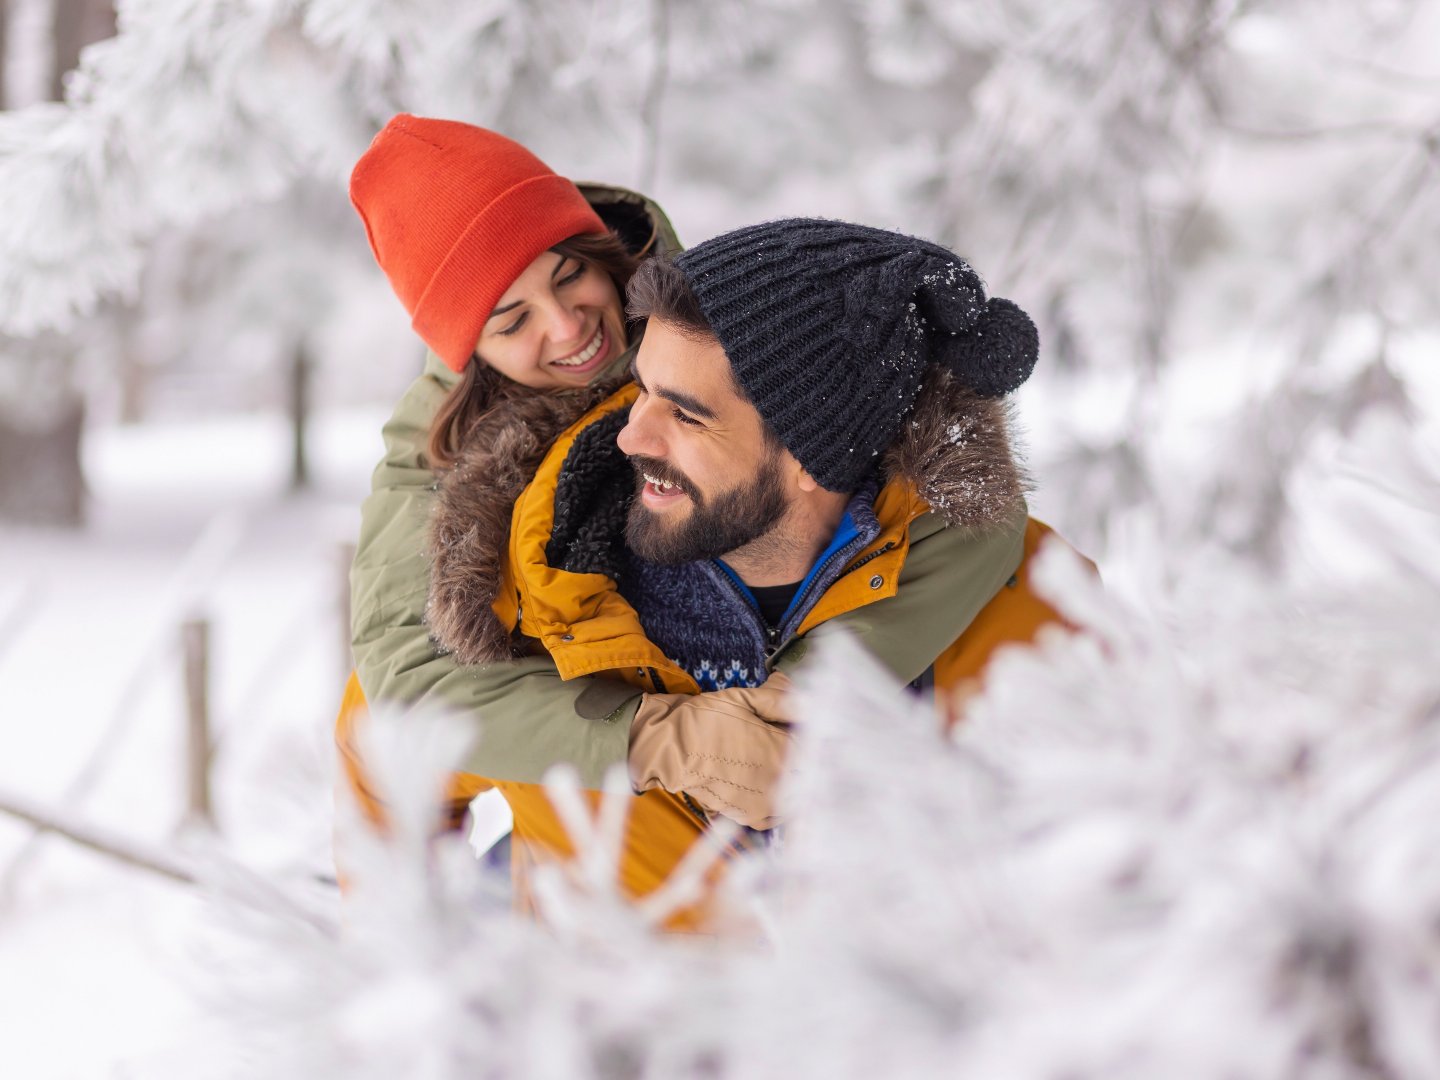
(217, 875)
(103, 841)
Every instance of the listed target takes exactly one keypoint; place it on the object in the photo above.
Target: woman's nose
(566, 323)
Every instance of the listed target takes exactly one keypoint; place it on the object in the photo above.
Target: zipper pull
(772, 640)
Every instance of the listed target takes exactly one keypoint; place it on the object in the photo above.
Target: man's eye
(512, 327)
(684, 419)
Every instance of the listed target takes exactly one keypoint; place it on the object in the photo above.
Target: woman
(514, 278)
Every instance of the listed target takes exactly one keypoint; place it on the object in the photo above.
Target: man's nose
(638, 436)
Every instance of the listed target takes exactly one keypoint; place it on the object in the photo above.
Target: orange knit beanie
(454, 213)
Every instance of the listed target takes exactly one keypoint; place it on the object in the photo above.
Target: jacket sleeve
(528, 718)
(947, 577)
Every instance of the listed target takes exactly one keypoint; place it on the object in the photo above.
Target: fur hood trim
(957, 451)
(470, 526)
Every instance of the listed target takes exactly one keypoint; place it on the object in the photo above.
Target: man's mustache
(666, 474)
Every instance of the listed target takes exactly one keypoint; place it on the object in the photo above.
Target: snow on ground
(188, 519)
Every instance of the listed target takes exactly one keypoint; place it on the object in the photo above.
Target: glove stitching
(724, 802)
(726, 760)
(721, 780)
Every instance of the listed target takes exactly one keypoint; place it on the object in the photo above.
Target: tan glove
(725, 749)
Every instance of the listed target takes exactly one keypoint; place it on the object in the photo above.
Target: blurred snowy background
(1200, 841)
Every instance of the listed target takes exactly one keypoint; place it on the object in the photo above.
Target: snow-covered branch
(96, 838)
(1188, 840)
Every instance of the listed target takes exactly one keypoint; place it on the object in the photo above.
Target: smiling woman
(508, 273)
(557, 324)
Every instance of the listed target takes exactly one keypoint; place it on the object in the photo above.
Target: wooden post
(196, 637)
(299, 417)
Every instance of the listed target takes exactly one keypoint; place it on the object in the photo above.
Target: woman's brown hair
(482, 388)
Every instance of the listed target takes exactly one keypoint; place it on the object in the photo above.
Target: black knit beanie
(830, 326)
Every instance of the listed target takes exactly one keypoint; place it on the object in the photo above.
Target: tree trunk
(40, 478)
(76, 23)
(4, 45)
(133, 376)
(41, 482)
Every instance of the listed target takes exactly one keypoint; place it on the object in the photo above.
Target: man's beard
(713, 527)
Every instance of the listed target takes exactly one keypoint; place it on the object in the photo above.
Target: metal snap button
(567, 637)
(876, 581)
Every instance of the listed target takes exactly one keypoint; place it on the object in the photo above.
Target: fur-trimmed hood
(955, 450)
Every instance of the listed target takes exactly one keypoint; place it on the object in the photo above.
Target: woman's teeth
(585, 355)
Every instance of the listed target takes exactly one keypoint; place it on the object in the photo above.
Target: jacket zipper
(873, 555)
(801, 603)
(774, 642)
(770, 632)
(694, 808)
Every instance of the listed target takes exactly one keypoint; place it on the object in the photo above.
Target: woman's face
(559, 324)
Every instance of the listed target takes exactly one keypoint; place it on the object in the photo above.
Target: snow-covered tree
(1215, 209)
(1190, 841)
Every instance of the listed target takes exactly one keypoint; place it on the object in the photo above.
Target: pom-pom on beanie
(830, 327)
(454, 213)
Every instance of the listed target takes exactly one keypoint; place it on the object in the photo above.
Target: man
(806, 392)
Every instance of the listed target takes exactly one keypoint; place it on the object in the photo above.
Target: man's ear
(796, 478)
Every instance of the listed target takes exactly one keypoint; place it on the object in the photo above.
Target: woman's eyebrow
(559, 262)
